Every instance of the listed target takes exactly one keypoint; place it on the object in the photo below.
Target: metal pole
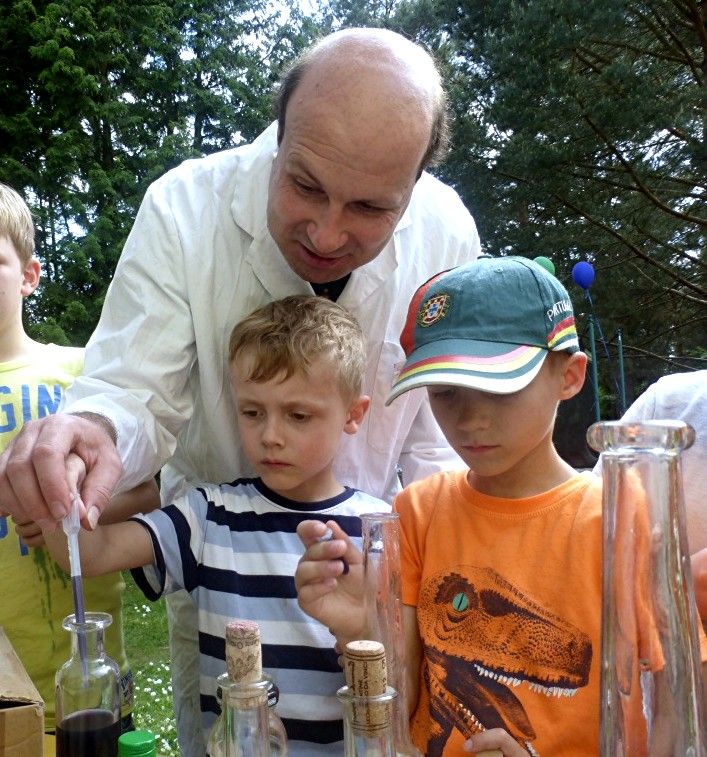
(622, 377)
(595, 369)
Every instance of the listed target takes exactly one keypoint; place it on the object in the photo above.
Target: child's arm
(324, 592)
(699, 576)
(106, 549)
(144, 498)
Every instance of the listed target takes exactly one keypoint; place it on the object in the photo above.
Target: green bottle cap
(137, 744)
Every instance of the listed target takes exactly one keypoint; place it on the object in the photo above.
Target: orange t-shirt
(509, 596)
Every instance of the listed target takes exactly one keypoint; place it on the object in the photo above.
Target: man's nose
(327, 231)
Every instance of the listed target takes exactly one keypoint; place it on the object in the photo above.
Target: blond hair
(288, 335)
(16, 223)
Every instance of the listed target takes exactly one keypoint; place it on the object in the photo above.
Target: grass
(147, 647)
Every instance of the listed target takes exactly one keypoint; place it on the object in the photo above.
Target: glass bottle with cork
(247, 726)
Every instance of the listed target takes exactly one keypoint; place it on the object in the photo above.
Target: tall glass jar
(87, 692)
(651, 690)
(382, 575)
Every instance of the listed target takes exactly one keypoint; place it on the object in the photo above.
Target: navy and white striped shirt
(234, 548)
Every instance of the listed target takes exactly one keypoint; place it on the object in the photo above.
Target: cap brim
(487, 366)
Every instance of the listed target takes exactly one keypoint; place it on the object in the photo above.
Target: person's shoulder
(431, 489)
(678, 383)
(434, 198)
(216, 168)
(52, 356)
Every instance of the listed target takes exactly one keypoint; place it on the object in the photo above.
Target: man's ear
(30, 277)
(356, 414)
(574, 370)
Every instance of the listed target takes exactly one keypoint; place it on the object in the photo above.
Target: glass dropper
(71, 525)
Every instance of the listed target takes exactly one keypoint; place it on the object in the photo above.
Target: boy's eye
(249, 413)
(300, 417)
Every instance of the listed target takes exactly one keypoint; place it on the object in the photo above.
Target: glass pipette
(71, 526)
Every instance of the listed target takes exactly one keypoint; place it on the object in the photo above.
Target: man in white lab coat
(332, 199)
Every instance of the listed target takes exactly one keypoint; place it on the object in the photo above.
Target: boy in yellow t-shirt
(36, 592)
(501, 563)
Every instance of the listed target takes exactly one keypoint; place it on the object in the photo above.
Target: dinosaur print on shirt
(482, 638)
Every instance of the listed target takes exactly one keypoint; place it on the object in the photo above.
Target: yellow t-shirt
(36, 592)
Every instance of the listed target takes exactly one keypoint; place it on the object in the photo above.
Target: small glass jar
(87, 692)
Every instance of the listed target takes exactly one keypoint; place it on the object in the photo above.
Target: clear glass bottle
(277, 736)
(362, 740)
(248, 725)
(382, 575)
(651, 689)
(87, 692)
(368, 701)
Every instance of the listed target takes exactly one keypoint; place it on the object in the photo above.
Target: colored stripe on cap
(563, 336)
(508, 363)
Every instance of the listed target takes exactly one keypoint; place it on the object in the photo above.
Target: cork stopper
(243, 655)
(367, 676)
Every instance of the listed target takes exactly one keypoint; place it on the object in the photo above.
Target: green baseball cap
(485, 325)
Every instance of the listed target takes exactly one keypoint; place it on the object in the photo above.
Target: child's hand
(30, 533)
(75, 475)
(493, 743)
(324, 590)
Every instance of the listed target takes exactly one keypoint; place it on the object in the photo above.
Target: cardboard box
(21, 707)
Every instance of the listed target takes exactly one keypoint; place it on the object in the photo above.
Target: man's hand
(33, 469)
(324, 591)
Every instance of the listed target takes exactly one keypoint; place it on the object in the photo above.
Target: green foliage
(101, 98)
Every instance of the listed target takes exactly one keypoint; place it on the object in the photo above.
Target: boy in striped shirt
(296, 370)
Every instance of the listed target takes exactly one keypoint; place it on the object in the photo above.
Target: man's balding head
(377, 78)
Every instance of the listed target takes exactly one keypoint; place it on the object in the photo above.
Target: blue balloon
(546, 263)
(583, 274)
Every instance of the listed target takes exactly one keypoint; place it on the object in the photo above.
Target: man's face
(334, 200)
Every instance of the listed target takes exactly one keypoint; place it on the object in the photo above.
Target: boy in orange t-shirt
(501, 563)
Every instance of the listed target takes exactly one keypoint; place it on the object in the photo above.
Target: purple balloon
(583, 274)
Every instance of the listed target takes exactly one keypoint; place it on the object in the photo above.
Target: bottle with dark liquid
(87, 692)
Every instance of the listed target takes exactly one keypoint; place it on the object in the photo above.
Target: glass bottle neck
(94, 642)
(368, 724)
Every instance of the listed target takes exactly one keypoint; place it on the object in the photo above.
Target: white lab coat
(198, 259)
